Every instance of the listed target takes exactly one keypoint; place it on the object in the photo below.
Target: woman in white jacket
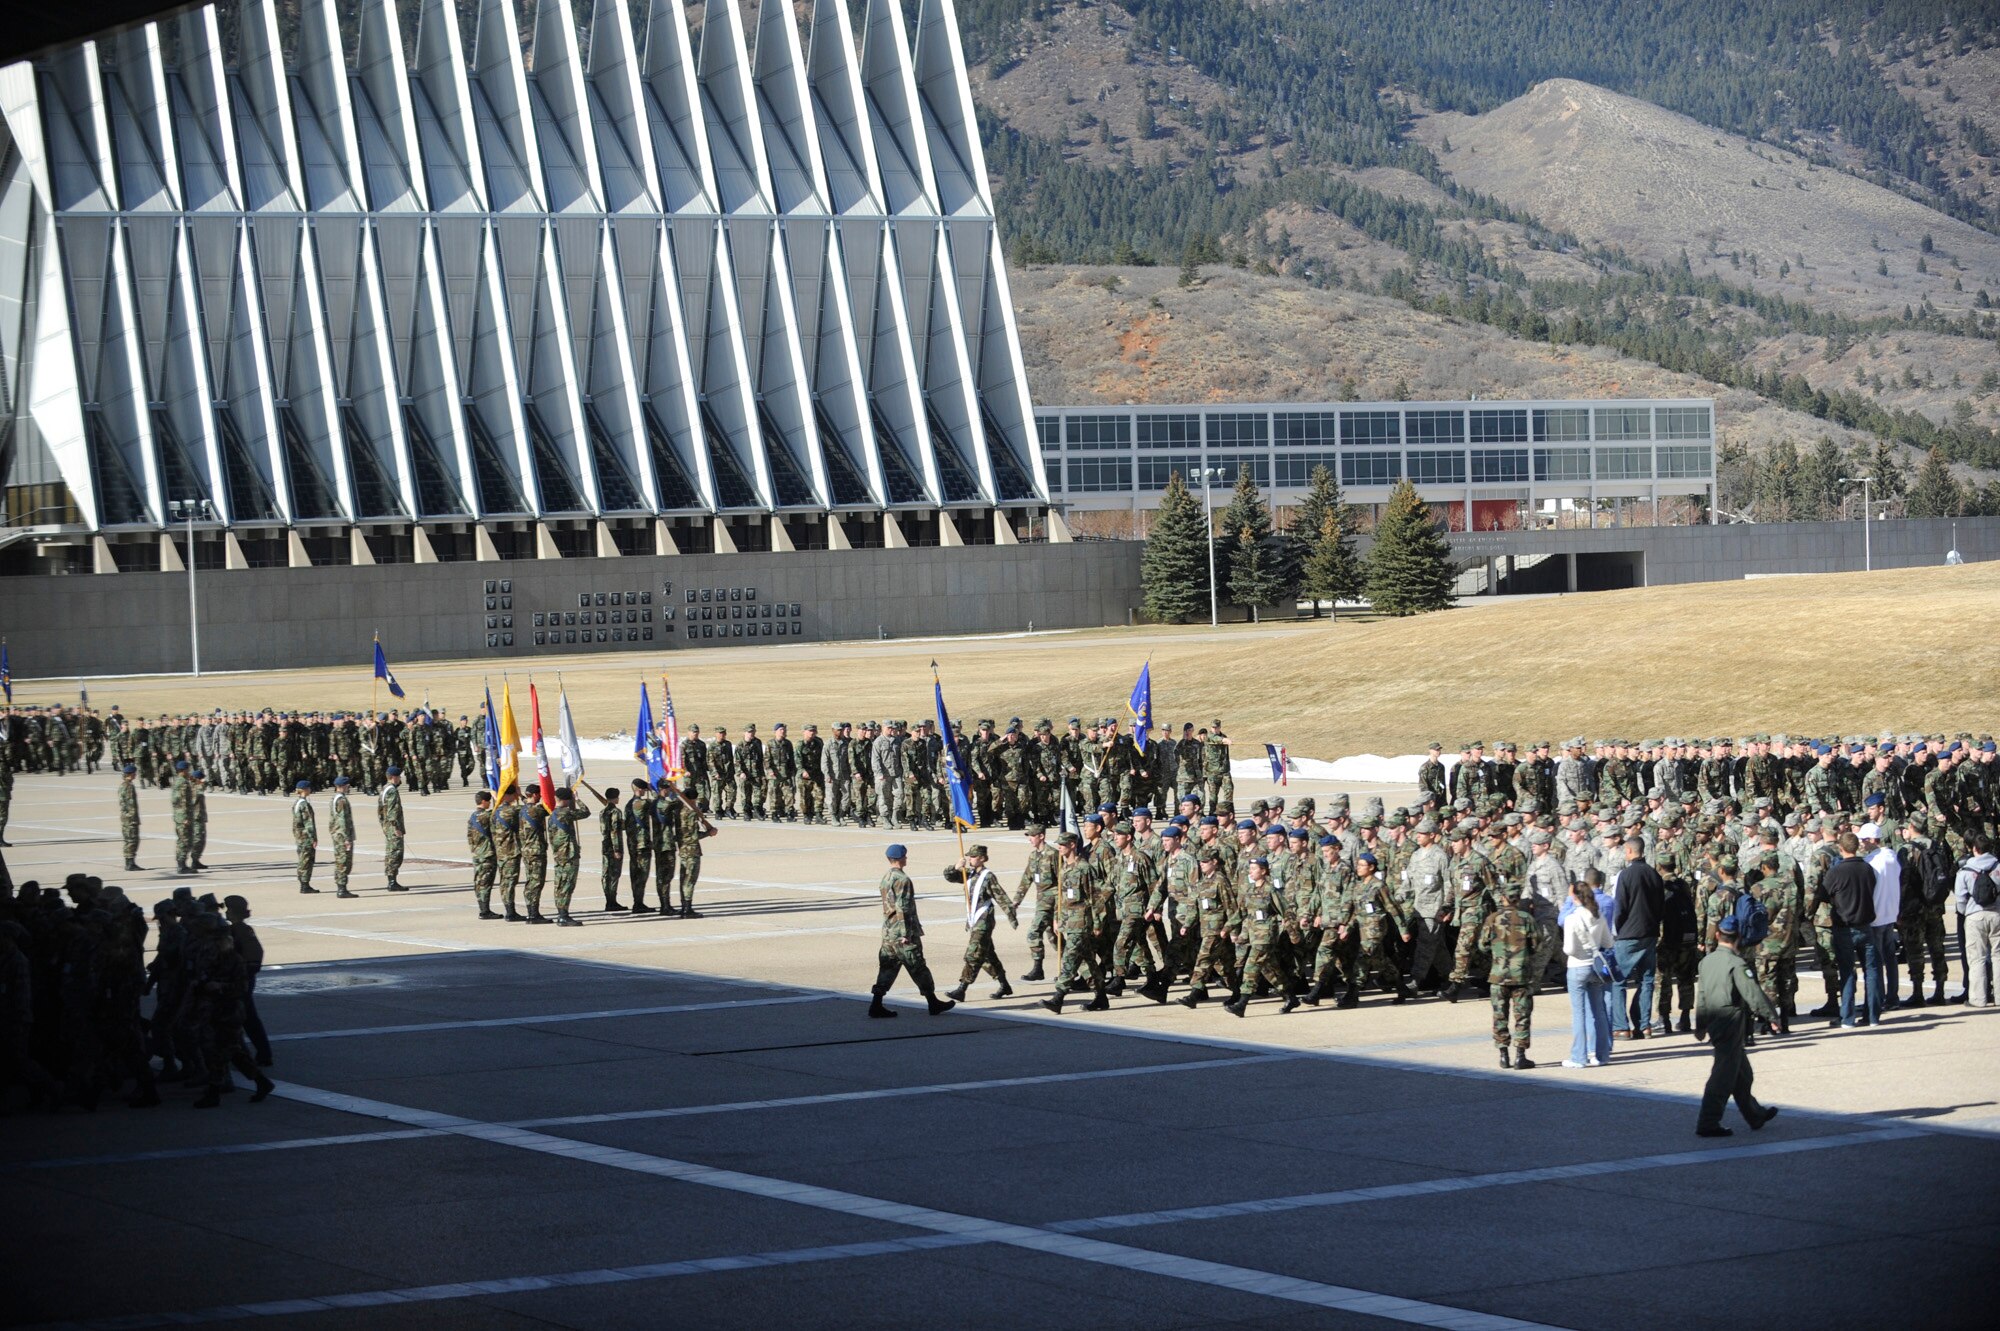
(1585, 933)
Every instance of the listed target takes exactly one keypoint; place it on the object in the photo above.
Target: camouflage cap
(1122, 828)
(1207, 856)
(1366, 820)
(1069, 841)
(1428, 827)
(1035, 829)
(1726, 863)
(1539, 837)
(1394, 818)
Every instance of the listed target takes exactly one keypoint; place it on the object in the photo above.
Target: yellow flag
(510, 740)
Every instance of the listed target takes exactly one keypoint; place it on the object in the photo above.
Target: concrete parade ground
(658, 1122)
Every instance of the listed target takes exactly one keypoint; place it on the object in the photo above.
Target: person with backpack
(1930, 874)
(1773, 894)
(1977, 892)
(1727, 999)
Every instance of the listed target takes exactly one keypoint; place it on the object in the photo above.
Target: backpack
(1753, 921)
(1985, 888)
(1938, 874)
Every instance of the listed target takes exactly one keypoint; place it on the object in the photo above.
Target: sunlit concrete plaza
(662, 1122)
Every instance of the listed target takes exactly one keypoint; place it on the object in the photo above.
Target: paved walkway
(647, 1121)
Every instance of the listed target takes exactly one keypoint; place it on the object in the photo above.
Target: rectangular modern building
(1486, 465)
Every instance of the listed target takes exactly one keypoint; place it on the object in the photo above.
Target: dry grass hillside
(1619, 171)
(1800, 654)
(1135, 335)
(1950, 87)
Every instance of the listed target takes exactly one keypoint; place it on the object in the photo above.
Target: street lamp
(190, 509)
(1867, 511)
(1209, 475)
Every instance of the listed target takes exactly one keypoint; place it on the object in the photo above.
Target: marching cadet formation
(1456, 892)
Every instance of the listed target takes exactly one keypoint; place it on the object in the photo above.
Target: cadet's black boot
(1117, 987)
(613, 906)
(1291, 1002)
(395, 886)
(147, 1097)
(264, 1088)
(1237, 1004)
(1005, 990)
(306, 889)
(1917, 994)
(196, 862)
(1937, 992)
(1687, 1025)
(514, 915)
(876, 1008)
(1404, 993)
(1352, 998)
(1054, 1002)
(131, 866)
(1451, 991)
(1522, 1062)
(956, 995)
(180, 866)
(641, 908)
(568, 921)
(1156, 988)
(1098, 1004)
(343, 892)
(688, 912)
(1033, 973)
(1506, 1057)
(486, 913)
(1195, 998)
(940, 1006)
(535, 916)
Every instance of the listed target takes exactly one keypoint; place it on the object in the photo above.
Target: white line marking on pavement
(551, 1019)
(473, 1289)
(1473, 1182)
(972, 1228)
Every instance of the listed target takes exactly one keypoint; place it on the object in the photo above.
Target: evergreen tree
(1887, 471)
(1322, 519)
(1819, 481)
(1173, 571)
(1410, 569)
(1256, 572)
(1935, 494)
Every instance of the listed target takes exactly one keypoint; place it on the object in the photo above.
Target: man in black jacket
(1640, 901)
(1850, 888)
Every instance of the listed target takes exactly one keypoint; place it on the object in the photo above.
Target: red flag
(547, 783)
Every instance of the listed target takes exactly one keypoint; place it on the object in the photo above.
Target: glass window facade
(1499, 466)
(1562, 425)
(1370, 468)
(1500, 427)
(1098, 431)
(1436, 467)
(1682, 423)
(1048, 429)
(1433, 427)
(1562, 465)
(1620, 423)
(1364, 429)
(1296, 469)
(1624, 464)
(1231, 465)
(1179, 428)
(1154, 468)
(1686, 462)
(1237, 428)
(1310, 429)
(1098, 475)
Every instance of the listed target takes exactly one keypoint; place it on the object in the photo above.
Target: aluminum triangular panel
(383, 113)
(322, 110)
(441, 100)
(337, 242)
(507, 139)
(624, 143)
(891, 92)
(846, 142)
(267, 141)
(680, 143)
(562, 113)
(399, 245)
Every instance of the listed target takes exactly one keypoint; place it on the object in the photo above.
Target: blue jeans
(1852, 948)
(1635, 958)
(1589, 1016)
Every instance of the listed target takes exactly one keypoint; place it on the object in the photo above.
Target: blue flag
(954, 766)
(646, 739)
(1141, 706)
(492, 745)
(6, 673)
(382, 671)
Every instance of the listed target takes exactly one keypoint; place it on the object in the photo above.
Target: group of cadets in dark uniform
(269, 752)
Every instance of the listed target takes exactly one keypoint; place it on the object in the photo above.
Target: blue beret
(1179, 820)
(1365, 857)
(395, 771)
(897, 851)
(130, 770)
(1207, 819)
(1143, 811)
(1989, 747)
(1873, 800)
(1247, 825)
(1329, 841)
(1726, 925)
(1952, 748)
(1172, 830)
(340, 781)
(1855, 748)
(303, 785)
(1097, 818)
(180, 765)
(1820, 750)
(1108, 807)
(1261, 860)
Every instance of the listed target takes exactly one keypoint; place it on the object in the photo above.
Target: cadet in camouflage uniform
(507, 848)
(750, 773)
(1476, 892)
(984, 898)
(1263, 917)
(688, 828)
(1076, 925)
(1135, 897)
(128, 815)
(812, 778)
(722, 764)
(781, 775)
(1039, 877)
(902, 946)
(641, 826)
(1372, 911)
(534, 835)
(305, 834)
(463, 741)
(197, 819)
(694, 765)
(1215, 907)
(340, 832)
(610, 845)
(1009, 760)
(1774, 966)
(479, 840)
(566, 851)
(183, 812)
(837, 769)
(920, 777)
(666, 809)
(1219, 787)
(389, 812)
(1513, 938)
(1919, 924)
(1325, 914)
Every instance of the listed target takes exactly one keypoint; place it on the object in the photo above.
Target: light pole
(190, 509)
(1867, 512)
(1208, 476)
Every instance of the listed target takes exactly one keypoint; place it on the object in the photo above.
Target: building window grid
(1177, 430)
(1682, 423)
(1624, 424)
(1098, 431)
(1433, 427)
(1294, 470)
(1155, 468)
(1099, 475)
(1562, 425)
(1562, 465)
(1500, 427)
(1235, 429)
(1680, 462)
(1499, 466)
(1309, 429)
(1363, 468)
(1435, 466)
(1625, 464)
(1365, 429)
(1231, 465)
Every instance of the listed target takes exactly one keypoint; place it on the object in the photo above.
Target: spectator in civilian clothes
(1585, 933)
(1849, 886)
(1888, 867)
(1641, 898)
(1977, 878)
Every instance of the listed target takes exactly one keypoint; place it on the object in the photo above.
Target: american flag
(670, 737)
